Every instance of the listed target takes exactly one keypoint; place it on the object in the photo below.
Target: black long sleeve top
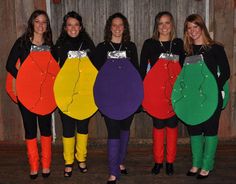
(215, 58)
(104, 47)
(20, 50)
(60, 50)
(152, 49)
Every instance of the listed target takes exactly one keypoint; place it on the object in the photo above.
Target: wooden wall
(13, 17)
(141, 14)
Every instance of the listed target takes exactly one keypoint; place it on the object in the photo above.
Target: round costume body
(35, 80)
(118, 89)
(195, 92)
(11, 84)
(158, 85)
(74, 87)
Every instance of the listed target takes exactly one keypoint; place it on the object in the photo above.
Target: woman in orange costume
(38, 33)
(163, 42)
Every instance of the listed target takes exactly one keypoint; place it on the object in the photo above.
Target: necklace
(199, 50)
(114, 47)
(165, 50)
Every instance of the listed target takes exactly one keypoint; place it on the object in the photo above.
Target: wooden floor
(14, 166)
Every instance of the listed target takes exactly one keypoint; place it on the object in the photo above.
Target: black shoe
(33, 176)
(68, 174)
(169, 169)
(124, 171)
(199, 176)
(46, 175)
(82, 169)
(111, 182)
(156, 169)
(190, 173)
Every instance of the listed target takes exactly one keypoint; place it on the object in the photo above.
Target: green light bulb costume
(195, 99)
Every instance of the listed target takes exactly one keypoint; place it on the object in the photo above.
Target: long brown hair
(29, 34)
(108, 33)
(188, 42)
(156, 33)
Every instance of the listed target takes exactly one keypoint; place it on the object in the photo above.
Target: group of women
(116, 59)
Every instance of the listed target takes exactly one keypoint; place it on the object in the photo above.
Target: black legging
(69, 124)
(30, 123)
(115, 126)
(209, 127)
(170, 122)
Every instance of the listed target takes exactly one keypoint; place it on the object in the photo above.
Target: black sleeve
(54, 52)
(14, 55)
(181, 52)
(90, 45)
(134, 56)
(223, 66)
(144, 59)
(100, 55)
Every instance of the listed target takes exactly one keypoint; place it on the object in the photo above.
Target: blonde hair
(188, 41)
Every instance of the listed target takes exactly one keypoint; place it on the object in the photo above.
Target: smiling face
(165, 27)
(72, 27)
(195, 33)
(117, 28)
(40, 24)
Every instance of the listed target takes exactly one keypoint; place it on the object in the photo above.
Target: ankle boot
(156, 168)
(169, 169)
(46, 148)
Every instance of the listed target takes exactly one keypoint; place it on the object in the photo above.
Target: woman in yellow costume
(72, 41)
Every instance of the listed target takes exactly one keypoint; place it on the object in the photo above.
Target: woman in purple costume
(117, 38)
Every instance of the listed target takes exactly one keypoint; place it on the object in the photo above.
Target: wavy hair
(29, 33)
(188, 41)
(107, 30)
(156, 34)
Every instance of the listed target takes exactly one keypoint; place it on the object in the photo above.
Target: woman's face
(195, 33)
(72, 27)
(165, 26)
(117, 27)
(40, 24)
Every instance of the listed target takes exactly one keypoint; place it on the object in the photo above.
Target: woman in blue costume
(203, 136)
(162, 42)
(73, 37)
(117, 38)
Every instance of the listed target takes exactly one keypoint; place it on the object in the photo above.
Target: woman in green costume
(203, 136)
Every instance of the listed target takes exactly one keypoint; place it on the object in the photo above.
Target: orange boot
(33, 157)
(46, 148)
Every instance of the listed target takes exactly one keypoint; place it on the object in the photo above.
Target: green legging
(203, 151)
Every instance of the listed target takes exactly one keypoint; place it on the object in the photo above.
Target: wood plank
(140, 14)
